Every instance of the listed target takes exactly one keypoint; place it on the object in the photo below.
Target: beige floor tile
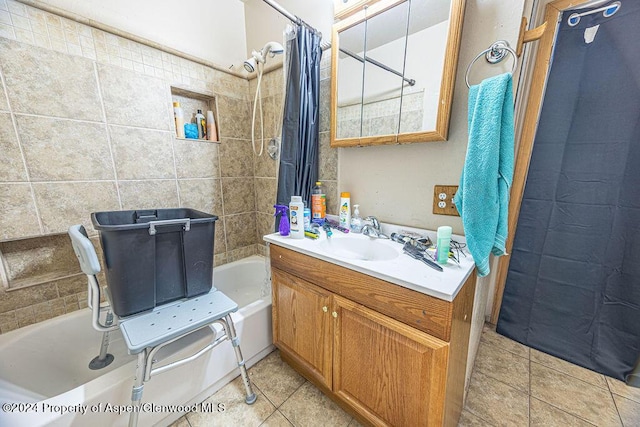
(490, 336)
(544, 415)
(629, 411)
(503, 366)
(572, 395)
(276, 420)
(275, 378)
(467, 419)
(308, 407)
(496, 402)
(355, 423)
(620, 388)
(236, 411)
(568, 368)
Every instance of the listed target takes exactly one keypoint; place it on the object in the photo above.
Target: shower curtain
(298, 169)
(573, 285)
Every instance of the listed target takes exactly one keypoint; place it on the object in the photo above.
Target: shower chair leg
(138, 387)
(103, 359)
(230, 330)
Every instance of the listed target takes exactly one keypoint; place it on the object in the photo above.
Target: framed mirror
(393, 71)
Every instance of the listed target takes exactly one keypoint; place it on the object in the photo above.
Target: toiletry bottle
(307, 219)
(178, 115)
(318, 203)
(443, 243)
(356, 221)
(202, 127)
(296, 213)
(283, 225)
(345, 209)
(212, 133)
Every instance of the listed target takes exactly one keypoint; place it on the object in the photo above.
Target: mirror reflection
(350, 81)
(393, 80)
(384, 53)
(425, 53)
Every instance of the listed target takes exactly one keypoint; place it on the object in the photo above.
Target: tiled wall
(381, 117)
(90, 128)
(86, 125)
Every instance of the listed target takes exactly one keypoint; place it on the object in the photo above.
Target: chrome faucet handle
(369, 230)
(374, 222)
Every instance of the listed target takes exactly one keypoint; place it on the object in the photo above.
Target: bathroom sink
(359, 249)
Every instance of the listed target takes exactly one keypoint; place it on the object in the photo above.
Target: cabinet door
(387, 371)
(302, 326)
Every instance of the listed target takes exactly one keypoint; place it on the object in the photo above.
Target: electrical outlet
(443, 200)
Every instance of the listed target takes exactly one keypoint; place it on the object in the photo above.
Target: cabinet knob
(325, 309)
(334, 314)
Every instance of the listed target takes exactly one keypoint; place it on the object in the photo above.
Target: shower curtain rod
(326, 45)
(291, 17)
(379, 64)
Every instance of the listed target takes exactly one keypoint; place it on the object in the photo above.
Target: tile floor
(511, 385)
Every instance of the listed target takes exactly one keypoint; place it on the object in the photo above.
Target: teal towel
(483, 196)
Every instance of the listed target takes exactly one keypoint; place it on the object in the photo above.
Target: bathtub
(44, 367)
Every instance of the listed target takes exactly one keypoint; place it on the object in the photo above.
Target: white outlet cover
(442, 196)
(442, 205)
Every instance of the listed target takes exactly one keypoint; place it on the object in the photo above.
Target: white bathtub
(44, 367)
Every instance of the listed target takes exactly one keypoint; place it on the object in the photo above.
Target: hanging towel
(483, 196)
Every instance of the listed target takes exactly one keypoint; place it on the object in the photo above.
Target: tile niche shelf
(191, 102)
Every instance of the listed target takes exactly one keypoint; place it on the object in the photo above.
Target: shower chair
(146, 333)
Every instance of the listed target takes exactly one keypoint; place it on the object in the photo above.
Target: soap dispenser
(356, 221)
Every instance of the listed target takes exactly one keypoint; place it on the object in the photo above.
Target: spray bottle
(283, 225)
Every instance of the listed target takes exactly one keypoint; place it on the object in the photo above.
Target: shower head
(274, 48)
(250, 65)
(270, 49)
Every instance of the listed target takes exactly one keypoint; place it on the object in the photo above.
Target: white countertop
(402, 270)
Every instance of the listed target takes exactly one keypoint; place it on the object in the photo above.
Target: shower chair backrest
(84, 250)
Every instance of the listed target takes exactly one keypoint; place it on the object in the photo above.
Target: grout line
(485, 341)
(465, 406)
(173, 155)
(615, 404)
(285, 417)
(100, 122)
(529, 397)
(573, 376)
(24, 159)
(108, 132)
(562, 410)
(222, 214)
(81, 181)
(485, 373)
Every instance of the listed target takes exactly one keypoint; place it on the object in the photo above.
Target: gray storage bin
(155, 256)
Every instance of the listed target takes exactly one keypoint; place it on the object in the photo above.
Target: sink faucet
(374, 222)
(373, 230)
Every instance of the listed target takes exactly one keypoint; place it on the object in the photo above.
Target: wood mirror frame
(440, 133)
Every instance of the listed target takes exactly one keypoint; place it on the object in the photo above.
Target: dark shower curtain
(573, 285)
(299, 151)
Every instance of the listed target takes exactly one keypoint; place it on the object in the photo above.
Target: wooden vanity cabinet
(381, 369)
(302, 325)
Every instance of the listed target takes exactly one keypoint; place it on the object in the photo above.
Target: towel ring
(494, 54)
